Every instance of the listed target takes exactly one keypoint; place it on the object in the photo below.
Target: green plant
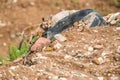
(118, 24)
(57, 3)
(116, 2)
(1, 59)
(14, 52)
(34, 39)
(74, 1)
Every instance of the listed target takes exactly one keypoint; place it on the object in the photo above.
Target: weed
(14, 52)
(118, 24)
(1, 59)
(57, 3)
(74, 1)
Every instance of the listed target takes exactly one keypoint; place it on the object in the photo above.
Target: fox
(30, 32)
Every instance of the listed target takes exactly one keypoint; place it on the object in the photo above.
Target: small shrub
(118, 24)
(116, 2)
(14, 52)
(74, 1)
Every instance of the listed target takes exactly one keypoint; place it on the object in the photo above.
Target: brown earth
(17, 15)
(87, 54)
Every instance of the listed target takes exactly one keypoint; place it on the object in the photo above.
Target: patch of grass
(116, 2)
(57, 3)
(118, 24)
(1, 59)
(34, 39)
(14, 52)
(74, 1)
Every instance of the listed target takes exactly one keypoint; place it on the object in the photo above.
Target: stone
(90, 48)
(60, 37)
(1, 63)
(117, 28)
(100, 78)
(98, 46)
(113, 16)
(113, 22)
(1, 35)
(68, 57)
(41, 42)
(57, 45)
(98, 61)
(118, 50)
(12, 35)
(62, 78)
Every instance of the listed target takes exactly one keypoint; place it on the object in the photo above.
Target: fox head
(45, 24)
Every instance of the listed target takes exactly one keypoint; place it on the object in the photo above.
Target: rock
(68, 57)
(32, 3)
(53, 77)
(4, 44)
(118, 50)
(113, 22)
(100, 78)
(2, 24)
(60, 37)
(99, 60)
(41, 42)
(117, 28)
(113, 16)
(1, 35)
(62, 78)
(1, 63)
(15, 1)
(87, 54)
(12, 35)
(105, 53)
(90, 48)
(13, 67)
(98, 46)
(57, 45)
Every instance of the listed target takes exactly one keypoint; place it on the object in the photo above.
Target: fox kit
(45, 24)
(32, 31)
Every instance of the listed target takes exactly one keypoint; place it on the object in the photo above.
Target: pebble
(4, 44)
(118, 50)
(62, 78)
(12, 35)
(67, 57)
(60, 37)
(113, 22)
(106, 52)
(100, 78)
(2, 24)
(13, 67)
(1, 35)
(39, 43)
(15, 1)
(99, 60)
(57, 45)
(1, 63)
(113, 16)
(90, 48)
(98, 46)
(117, 28)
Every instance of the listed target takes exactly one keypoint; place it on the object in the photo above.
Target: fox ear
(43, 19)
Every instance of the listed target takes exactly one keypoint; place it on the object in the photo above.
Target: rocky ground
(86, 54)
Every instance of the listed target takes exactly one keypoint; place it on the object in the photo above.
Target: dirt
(17, 15)
(87, 54)
(76, 59)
